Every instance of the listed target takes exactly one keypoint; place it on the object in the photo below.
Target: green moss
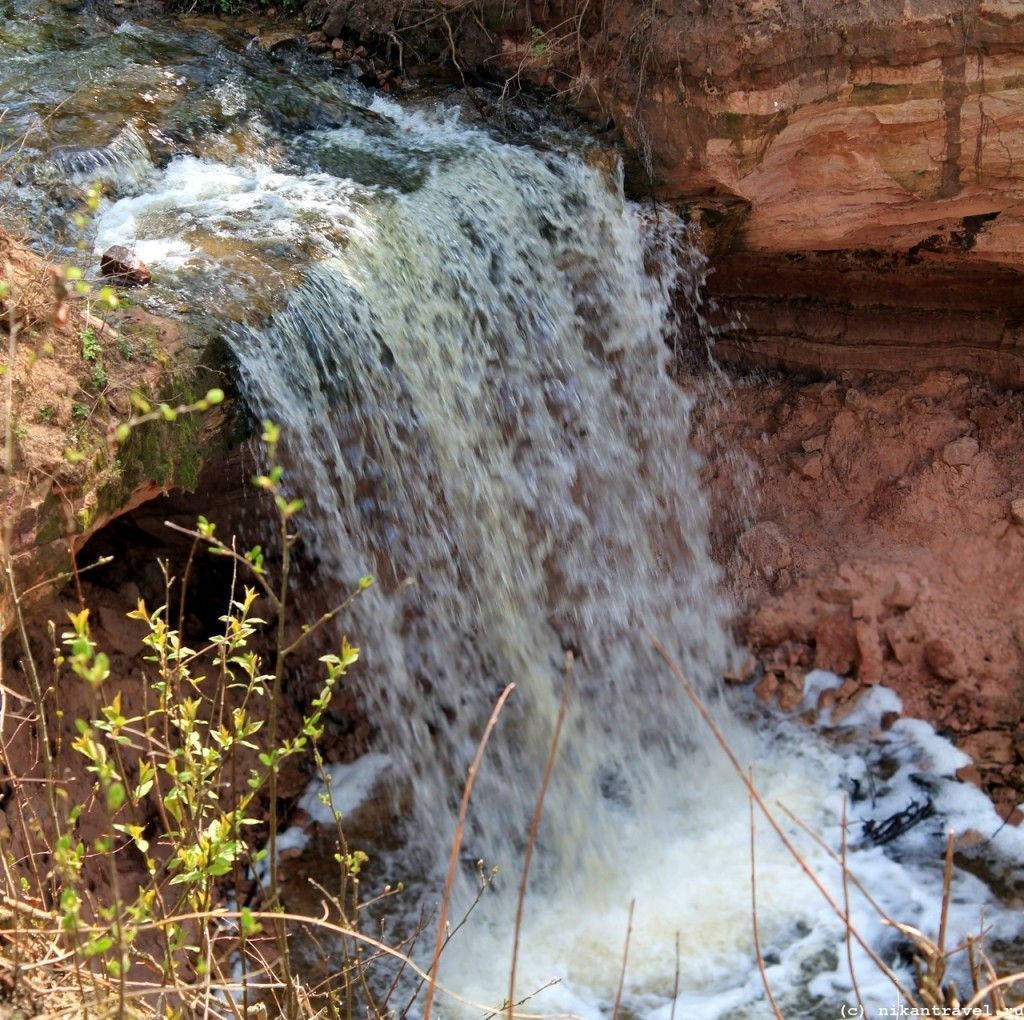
(168, 453)
(878, 94)
(50, 526)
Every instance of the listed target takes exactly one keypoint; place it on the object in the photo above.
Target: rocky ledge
(72, 380)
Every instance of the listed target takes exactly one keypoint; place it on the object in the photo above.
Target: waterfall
(474, 386)
(463, 338)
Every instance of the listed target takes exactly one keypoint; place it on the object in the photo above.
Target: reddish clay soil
(876, 529)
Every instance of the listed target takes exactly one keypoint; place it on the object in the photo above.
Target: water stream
(462, 332)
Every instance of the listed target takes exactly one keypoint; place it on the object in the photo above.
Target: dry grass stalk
(753, 911)
(453, 858)
(531, 841)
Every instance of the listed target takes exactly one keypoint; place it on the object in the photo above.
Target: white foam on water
(694, 885)
(249, 202)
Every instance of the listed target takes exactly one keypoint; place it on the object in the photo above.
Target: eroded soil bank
(871, 526)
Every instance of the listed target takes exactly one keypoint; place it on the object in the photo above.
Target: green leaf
(249, 925)
(97, 945)
(115, 796)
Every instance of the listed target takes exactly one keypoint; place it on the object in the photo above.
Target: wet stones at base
(370, 70)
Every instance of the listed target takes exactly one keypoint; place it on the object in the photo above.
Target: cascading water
(480, 371)
(463, 340)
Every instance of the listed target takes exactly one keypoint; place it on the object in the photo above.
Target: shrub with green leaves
(202, 755)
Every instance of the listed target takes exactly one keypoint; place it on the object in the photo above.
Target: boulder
(835, 643)
(123, 267)
(766, 548)
(903, 594)
(960, 452)
(942, 660)
(989, 748)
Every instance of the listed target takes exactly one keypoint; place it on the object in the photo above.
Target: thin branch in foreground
(801, 861)
(753, 911)
(625, 959)
(453, 858)
(675, 983)
(531, 841)
(846, 907)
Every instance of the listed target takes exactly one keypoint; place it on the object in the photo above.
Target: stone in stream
(124, 267)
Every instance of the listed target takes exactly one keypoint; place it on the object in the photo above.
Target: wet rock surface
(122, 266)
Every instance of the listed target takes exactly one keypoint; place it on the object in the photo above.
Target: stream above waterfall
(464, 331)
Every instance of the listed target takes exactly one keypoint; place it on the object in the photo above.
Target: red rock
(835, 643)
(969, 774)
(903, 594)
(812, 467)
(743, 673)
(858, 221)
(827, 699)
(859, 536)
(960, 452)
(766, 548)
(791, 691)
(845, 706)
(837, 594)
(989, 748)
(869, 652)
(766, 688)
(863, 608)
(942, 660)
(847, 689)
(1010, 813)
(904, 646)
(859, 215)
(124, 267)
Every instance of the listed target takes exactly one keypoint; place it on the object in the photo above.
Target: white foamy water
(692, 888)
(199, 199)
(471, 377)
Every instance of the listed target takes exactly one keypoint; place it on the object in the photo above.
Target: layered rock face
(858, 166)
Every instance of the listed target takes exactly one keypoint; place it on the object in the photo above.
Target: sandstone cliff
(856, 163)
